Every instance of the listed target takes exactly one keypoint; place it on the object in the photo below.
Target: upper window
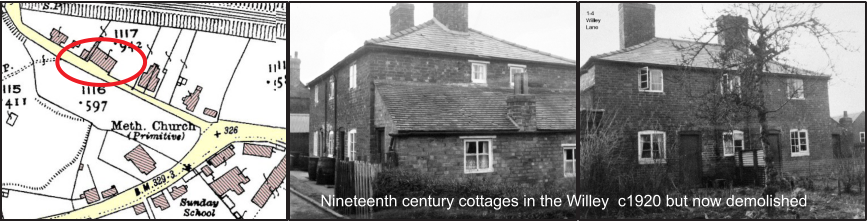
(650, 80)
(730, 84)
(569, 160)
(800, 141)
(350, 141)
(316, 93)
(795, 88)
(352, 77)
(480, 71)
(331, 88)
(732, 141)
(478, 156)
(513, 69)
(651, 147)
(862, 137)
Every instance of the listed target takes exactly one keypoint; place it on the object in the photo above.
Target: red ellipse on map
(99, 84)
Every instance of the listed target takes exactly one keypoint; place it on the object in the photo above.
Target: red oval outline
(97, 84)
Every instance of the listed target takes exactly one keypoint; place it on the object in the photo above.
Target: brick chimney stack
(402, 17)
(733, 32)
(845, 121)
(452, 15)
(636, 23)
(522, 106)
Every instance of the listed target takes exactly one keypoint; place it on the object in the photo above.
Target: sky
(677, 20)
(323, 34)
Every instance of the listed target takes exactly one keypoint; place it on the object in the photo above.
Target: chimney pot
(452, 15)
(402, 17)
(636, 23)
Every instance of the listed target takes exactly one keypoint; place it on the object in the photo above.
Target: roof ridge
(523, 47)
(400, 33)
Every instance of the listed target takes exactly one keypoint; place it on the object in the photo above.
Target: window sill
(728, 155)
(650, 161)
(797, 99)
(570, 175)
(652, 91)
(800, 154)
(479, 171)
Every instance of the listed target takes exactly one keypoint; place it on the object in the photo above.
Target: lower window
(651, 147)
(569, 160)
(478, 156)
(800, 142)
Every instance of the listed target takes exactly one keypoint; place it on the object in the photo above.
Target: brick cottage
(643, 84)
(445, 99)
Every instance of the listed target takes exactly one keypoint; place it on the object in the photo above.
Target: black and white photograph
(433, 111)
(712, 111)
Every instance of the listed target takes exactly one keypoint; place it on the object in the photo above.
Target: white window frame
(566, 162)
(490, 155)
(316, 143)
(795, 141)
(350, 142)
(729, 144)
(789, 87)
(862, 137)
(732, 83)
(330, 144)
(512, 68)
(352, 76)
(316, 93)
(648, 72)
(651, 160)
(483, 76)
(331, 88)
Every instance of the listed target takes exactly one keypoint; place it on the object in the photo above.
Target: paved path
(301, 209)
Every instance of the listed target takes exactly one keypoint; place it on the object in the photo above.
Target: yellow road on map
(207, 146)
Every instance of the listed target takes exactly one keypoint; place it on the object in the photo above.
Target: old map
(174, 111)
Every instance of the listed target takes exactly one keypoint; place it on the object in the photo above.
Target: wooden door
(774, 155)
(690, 147)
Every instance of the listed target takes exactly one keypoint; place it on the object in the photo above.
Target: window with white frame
(350, 142)
(800, 141)
(513, 69)
(569, 160)
(650, 80)
(331, 88)
(316, 94)
(732, 141)
(478, 155)
(479, 71)
(330, 142)
(315, 144)
(352, 77)
(795, 88)
(862, 137)
(651, 147)
(730, 84)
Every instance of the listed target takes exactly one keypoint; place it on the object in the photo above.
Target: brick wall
(356, 108)
(675, 111)
(520, 158)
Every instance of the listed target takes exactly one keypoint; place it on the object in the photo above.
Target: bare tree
(756, 59)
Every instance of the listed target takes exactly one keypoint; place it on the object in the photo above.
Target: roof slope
(433, 107)
(662, 51)
(433, 36)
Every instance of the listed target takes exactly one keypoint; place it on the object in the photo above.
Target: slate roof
(434, 36)
(443, 108)
(662, 51)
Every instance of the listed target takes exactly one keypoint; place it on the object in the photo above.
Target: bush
(402, 183)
